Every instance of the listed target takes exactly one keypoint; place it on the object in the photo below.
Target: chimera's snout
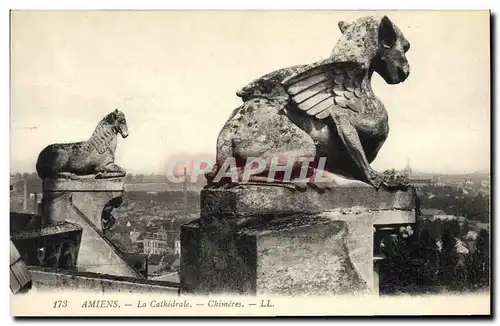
(403, 72)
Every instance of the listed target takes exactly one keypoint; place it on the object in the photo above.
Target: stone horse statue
(325, 109)
(95, 156)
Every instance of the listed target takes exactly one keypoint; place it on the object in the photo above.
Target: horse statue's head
(377, 44)
(116, 120)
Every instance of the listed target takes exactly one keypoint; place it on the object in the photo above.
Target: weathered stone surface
(258, 239)
(83, 184)
(93, 204)
(305, 255)
(295, 255)
(97, 254)
(323, 110)
(248, 200)
(49, 280)
(273, 239)
(190, 256)
(96, 155)
(86, 203)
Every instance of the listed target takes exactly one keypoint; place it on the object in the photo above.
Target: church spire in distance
(407, 170)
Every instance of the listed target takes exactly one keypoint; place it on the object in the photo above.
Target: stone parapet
(89, 203)
(253, 200)
(50, 280)
(85, 184)
(258, 239)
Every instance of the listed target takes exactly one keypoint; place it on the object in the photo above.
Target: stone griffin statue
(325, 109)
(95, 156)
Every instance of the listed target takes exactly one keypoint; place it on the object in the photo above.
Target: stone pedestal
(91, 195)
(88, 203)
(261, 239)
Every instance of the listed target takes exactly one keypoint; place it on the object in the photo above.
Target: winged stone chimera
(325, 109)
(94, 157)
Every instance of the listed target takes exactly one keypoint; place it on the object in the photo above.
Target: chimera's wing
(325, 86)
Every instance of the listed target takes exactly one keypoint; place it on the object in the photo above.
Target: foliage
(431, 261)
(472, 203)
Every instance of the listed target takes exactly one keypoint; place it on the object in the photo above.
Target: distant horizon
(480, 171)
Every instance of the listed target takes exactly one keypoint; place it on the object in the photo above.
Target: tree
(449, 256)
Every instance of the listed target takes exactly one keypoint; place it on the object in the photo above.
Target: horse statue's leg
(110, 170)
(67, 175)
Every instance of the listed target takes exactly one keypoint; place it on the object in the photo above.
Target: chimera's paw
(317, 186)
(73, 176)
(394, 180)
(375, 179)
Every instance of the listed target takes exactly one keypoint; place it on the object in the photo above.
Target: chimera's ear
(343, 26)
(386, 34)
(116, 110)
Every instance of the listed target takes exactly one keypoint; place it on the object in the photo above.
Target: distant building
(461, 250)
(443, 217)
(466, 186)
(177, 245)
(471, 238)
(435, 181)
(407, 170)
(156, 243)
(420, 182)
(416, 182)
(155, 264)
(160, 242)
(430, 212)
(134, 236)
(484, 187)
(477, 225)
(158, 265)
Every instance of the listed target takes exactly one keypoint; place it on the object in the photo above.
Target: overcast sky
(175, 75)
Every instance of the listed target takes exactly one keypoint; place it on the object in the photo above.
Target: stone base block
(89, 202)
(86, 184)
(96, 197)
(295, 255)
(252, 200)
(303, 255)
(264, 240)
(189, 272)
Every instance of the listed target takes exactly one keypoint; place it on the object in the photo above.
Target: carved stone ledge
(87, 184)
(248, 200)
(94, 197)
